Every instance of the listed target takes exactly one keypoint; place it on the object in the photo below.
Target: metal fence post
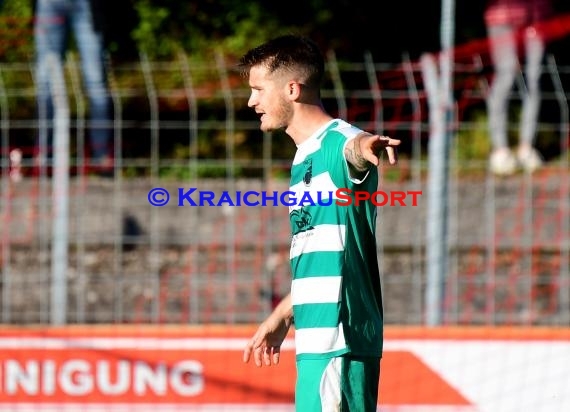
(438, 165)
(60, 193)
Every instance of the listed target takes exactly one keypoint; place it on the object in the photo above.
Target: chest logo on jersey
(308, 176)
(302, 220)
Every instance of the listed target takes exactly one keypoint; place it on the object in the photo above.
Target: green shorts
(340, 384)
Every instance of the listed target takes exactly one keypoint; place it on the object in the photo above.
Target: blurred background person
(54, 21)
(512, 28)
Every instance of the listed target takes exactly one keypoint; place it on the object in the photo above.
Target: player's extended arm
(265, 345)
(364, 150)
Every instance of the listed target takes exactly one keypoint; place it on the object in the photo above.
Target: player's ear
(294, 90)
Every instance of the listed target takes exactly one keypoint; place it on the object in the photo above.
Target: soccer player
(335, 300)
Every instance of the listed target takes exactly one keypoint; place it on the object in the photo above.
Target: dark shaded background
(413, 26)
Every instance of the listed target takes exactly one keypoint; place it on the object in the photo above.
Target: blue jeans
(54, 20)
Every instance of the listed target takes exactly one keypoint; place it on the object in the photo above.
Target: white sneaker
(502, 162)
(529, 158)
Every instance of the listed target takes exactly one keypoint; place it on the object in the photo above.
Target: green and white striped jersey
(337, 303)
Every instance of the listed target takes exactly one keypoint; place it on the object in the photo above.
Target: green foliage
(147, 34)
(17, 30)
(201, 28)
(473, 142)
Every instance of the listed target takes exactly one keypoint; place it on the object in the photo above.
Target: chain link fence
(109, 256)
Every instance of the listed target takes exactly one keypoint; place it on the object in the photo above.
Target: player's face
(269, 99)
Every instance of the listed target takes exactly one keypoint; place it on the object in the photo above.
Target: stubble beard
(283, 114)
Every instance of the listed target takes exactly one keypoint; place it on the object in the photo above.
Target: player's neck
(306, 122)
